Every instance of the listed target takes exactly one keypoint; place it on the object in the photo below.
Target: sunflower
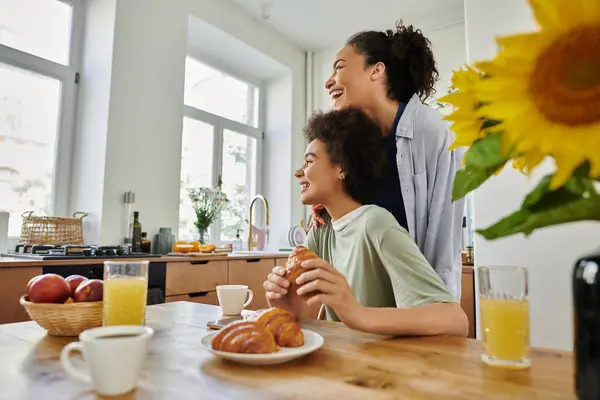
(545, 87)
(467, 125)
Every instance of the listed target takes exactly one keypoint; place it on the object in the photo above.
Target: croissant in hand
(283, 325)
(294, 268)
(245, 337)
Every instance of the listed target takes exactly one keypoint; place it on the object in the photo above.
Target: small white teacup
(232, 298)
(114, 354)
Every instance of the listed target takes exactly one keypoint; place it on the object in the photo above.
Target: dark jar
(586, 321)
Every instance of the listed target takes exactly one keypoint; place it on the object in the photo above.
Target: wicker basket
(69, 319)
(51, 230)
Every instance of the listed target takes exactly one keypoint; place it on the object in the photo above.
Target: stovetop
(73, 252)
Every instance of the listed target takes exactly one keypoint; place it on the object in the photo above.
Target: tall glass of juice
(504, 316)
(125, 293)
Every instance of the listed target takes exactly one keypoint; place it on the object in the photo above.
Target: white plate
(312, 341)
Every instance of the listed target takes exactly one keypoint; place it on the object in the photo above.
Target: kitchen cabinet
(209, 297)
(13, 284)
(195, 276)
(467, 299)
(252, 272)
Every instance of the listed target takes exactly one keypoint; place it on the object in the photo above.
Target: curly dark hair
(353, 141)
(407, 56)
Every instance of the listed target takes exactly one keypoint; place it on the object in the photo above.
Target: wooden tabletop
(349, 366)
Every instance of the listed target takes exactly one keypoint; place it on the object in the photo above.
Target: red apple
(31, 281)
(74, 281)
(89, 290)
(49, 288)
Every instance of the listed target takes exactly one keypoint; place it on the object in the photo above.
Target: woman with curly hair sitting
(371, 276)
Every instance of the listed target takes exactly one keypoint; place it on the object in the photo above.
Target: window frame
(68, 75)
(220, 124)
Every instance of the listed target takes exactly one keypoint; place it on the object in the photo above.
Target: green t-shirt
(380, 260)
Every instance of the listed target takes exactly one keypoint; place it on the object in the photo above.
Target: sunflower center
(565, 84)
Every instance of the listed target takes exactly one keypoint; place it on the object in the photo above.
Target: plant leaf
(575, 188)
(486, 152)
(482, 160)
(526, 220)
(470, 178)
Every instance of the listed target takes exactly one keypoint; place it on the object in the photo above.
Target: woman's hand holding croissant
(327, 285)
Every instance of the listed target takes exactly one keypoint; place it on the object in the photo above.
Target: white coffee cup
(114, 354)
(232, 298)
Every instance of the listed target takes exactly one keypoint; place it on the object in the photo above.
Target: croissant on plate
(283, 325)
(245, 337)
(294, 268)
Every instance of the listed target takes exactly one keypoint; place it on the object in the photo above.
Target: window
(221, 144)
(37, 103)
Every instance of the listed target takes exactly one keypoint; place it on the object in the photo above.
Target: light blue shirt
(427, 170)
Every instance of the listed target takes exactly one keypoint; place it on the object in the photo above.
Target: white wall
(145, 80)
(449, 49)
(550, 253)
(277, 176)
(448, 43)
(89, 158)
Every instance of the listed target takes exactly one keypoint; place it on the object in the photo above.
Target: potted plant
(207, 203)
(539, 98)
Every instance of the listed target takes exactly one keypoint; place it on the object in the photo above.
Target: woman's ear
(378, 71)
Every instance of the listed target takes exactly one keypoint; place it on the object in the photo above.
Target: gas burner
(66, 252)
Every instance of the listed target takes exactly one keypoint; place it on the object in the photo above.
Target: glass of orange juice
(125, 293)
(504, 316)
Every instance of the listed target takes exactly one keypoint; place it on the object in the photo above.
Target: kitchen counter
(11, 262)
(350, 365)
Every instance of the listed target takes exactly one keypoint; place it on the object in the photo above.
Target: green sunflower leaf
(486, 152)
(469, 179)
(482, 160)
(527, 220)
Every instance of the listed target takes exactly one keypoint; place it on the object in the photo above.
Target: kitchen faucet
(264, 200)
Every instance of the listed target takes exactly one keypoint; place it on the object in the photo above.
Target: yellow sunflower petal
(564, 15)
(547, 13)
(565, 165)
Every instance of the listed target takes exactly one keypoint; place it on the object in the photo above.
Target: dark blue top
(389, 195)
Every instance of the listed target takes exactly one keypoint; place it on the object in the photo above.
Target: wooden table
(349, 366)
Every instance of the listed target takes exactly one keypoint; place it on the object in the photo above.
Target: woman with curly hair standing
(388, 75)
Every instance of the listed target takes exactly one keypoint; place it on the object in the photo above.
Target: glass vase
(202, 235)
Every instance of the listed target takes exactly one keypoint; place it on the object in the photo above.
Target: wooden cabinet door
(13, 285)
(202, 298)
(252, 272)
(195, 276)
(467, 299)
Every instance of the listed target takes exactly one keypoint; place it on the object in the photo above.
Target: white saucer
(312, 341)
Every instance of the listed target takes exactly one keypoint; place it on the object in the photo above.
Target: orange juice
(505, 330)
(125, 300)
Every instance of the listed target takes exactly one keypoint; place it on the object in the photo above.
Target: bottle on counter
(146, 244)
(136, 240)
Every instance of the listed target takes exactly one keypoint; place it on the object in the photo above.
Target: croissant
(294, 269)
(245, 337)
(283, 326)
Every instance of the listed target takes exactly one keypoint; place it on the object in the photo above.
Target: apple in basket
(48, 288)
(89, 290)
(74, 281)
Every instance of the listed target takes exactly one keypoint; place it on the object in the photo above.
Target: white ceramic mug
(232, 298)
(114, 354)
